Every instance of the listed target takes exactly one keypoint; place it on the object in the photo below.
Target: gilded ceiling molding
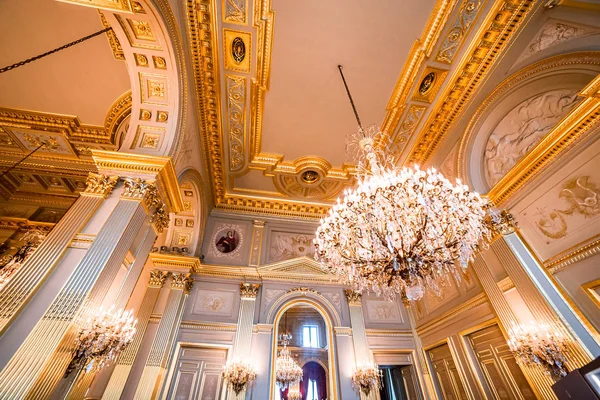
(421, 50)
(111, 5)
(117, 113)
(235, 11)
(448, 316)
(113, 40)
(582, 119)
(502, 22)
(461, 25)
(548, 65)
(236, 120)
(574, 254)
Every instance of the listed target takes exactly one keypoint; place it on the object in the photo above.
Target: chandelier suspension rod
(73, 43)
(22, 159)
(350, 98)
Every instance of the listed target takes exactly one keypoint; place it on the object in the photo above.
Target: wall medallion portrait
(238, 50)
(227, 241)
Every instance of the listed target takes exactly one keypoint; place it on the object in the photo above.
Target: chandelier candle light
(538, 345)
(367, 378)
(401, 230)
(239, 376)
(102, 339)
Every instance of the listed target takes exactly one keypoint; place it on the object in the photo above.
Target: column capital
(505, 223)
(98, 184)
(354, 298)
(249, 290)
(182, 281)
(143, 189)
(258, 223)
(157, 278)
(160, 218)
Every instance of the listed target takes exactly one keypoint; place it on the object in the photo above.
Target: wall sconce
(366, 378)
(537, 344)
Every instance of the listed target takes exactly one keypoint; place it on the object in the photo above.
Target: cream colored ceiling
(81, 81)
(306, 114)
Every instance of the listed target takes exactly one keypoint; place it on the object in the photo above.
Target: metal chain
(350, 97)
(83, 39)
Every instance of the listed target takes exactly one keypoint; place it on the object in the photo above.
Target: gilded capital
(249, 290)
(505, 223)
(157, 278)
(100, 184)
(354, 298)
(141, 189)
(182, 281)
(160, 218)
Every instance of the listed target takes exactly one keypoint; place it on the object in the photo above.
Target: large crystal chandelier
(287, 371)
(103, 338)
(400, 230)
(538, 345)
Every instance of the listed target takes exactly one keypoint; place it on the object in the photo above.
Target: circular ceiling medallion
(427, 83)
(310, 176)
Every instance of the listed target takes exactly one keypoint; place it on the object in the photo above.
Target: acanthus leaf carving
(100, 184)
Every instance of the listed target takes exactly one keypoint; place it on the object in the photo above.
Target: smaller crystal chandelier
(239, 376)
(366, 378)
(287, 371)
(102, 339)
(537, 344)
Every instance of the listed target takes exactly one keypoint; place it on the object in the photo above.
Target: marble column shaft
(124, 363)
(34, 271)
(39, 364)
(154, 371)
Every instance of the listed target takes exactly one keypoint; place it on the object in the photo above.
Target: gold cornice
(420, 50)
(489, 43)
(117, 112)
(143, 166)
(580, 120)
(208, 326)
(169, 261)
(389, 332)
(574, 254)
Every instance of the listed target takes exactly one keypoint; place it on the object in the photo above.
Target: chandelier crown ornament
(367, 378)
(102, 338)
(401, 229)
(537, 344)
(239, 375)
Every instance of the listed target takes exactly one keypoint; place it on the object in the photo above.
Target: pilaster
(21, 287)
(155, 367)
(258, 230)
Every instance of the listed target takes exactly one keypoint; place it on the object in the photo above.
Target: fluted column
(155, 367)
(17, 292)
(124, 363)
(544, 299)
(540, 382)
(243, 336)
(359, 334)
(40, 362)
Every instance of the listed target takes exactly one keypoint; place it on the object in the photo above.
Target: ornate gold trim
(473, 302)
(573, 254)
(112, 5)
(579, 121)
(209, 326)
(113, 40)
(170, 262)
(505, 18)
(160, 168)
(389, 332)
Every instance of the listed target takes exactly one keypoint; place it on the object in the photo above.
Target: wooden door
(447, 376)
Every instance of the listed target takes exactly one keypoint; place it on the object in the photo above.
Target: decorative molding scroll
(303, 290)
(249, 290)
(157, 278)
(460, 28)
(100, 184)
(182, 281)
(235, 11)
(354, 298)
(236, 124)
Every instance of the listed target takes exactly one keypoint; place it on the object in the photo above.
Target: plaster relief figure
(286, 246)
(522, 128)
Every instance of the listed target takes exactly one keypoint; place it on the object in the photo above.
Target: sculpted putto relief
(522, 128)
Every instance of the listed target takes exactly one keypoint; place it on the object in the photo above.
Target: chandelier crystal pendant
(401, 230)
(102, 339)
(287, 371)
